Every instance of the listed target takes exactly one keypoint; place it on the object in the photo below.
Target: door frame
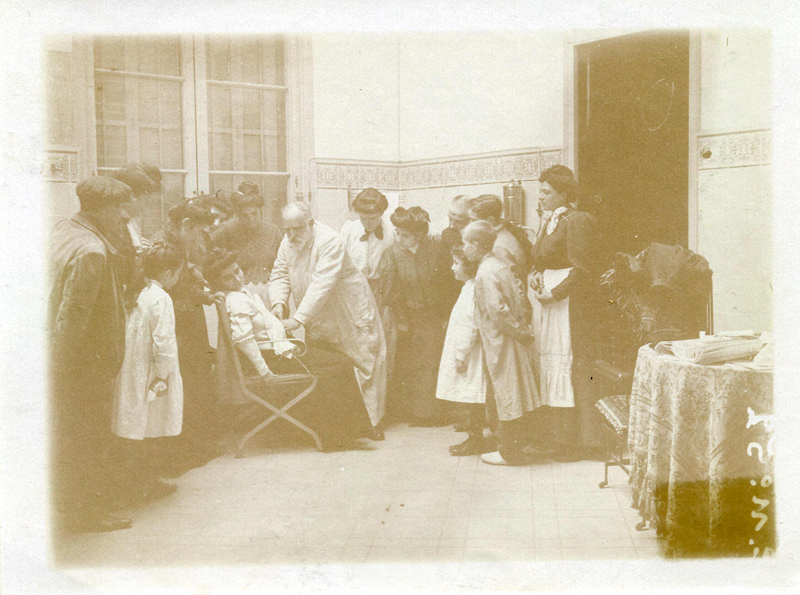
(570, 144)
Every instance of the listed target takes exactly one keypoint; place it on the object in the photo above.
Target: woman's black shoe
(471, 446)
(376, 435)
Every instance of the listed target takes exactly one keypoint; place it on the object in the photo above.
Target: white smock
(553, 346)
(335, 304)
(463, 343)
(151, 351)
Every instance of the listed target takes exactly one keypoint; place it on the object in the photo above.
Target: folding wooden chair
(234, 387)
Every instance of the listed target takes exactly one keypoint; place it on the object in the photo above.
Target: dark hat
(217, 261)
(141, 177)
(99, 191)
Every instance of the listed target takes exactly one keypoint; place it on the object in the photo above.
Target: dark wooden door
(632, 126)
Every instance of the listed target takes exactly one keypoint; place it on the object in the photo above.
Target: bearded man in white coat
(332, 300)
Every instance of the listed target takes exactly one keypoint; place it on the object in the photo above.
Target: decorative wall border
(463, 170)
(60, 165)
(716, 150)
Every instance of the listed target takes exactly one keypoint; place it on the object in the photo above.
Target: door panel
(632, 126)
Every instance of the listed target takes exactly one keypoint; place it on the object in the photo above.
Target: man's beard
(298, 244)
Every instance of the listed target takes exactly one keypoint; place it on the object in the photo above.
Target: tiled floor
(402, 500)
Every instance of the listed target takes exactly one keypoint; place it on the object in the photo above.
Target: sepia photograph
(407, 299)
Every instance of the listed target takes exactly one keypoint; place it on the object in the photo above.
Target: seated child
(148, 401)
(504, 331)
(462, 378)
(335, 409)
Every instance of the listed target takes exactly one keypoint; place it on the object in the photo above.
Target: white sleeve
(241, 312)
(277, 332)
(326, 272)
(162, 328)
(466, 333)
(279, 287)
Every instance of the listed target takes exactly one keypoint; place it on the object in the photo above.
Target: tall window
(209, 112)
(246, 113)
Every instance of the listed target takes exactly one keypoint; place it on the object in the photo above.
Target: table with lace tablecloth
(700, 440)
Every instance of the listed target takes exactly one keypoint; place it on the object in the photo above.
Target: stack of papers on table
(713, 349)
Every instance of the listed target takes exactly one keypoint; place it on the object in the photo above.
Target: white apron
(552, 351)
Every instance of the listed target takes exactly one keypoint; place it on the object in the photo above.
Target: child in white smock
(148, 401)
(462, 375)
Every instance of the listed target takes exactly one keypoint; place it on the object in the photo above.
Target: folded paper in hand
(713, 349)
(158, 389)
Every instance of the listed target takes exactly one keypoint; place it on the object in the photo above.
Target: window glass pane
(171, 103)
(152, 206)
(222, 182)
(169, 56)
(252, 152)
(109, 53)
(250, 56)
(218, 58)
(222, 153)
(149, 214)
(251, 108)
(273, 110)
(272, 152)
(116, 147)
(148, 101)
(110, 95)
(147, 57)
(272, 60)
(158, 55)
(173, 184)
(149, 145)
(171, 148)
(273, 189)
(219, 107)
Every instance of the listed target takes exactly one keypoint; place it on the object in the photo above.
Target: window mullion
(131, 102)
(199, 124)
(237, 109)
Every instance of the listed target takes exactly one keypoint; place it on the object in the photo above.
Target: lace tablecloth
(700, 439)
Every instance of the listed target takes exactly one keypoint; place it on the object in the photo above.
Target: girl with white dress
(462, 376)
(148, 400)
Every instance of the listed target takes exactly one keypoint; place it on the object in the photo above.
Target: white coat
(151, 351)
(335, 304)
(462, 342)
(502, 323)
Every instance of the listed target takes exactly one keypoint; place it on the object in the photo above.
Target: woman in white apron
(560, 280)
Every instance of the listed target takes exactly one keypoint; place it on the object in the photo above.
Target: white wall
(355, 96)
(409, 97)
(433, 96)
(464, 93)
(734, 184)
(736, 79)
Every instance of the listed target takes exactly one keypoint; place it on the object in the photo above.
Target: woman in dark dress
(255, 240)
(562, 280)
(416, 285)
(188, 229)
